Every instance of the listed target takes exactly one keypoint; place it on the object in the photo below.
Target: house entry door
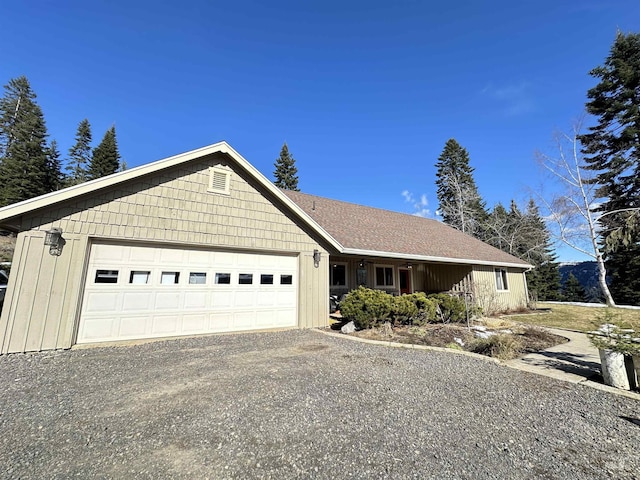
(405, 281)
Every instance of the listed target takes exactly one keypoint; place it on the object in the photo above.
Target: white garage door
(135, 292)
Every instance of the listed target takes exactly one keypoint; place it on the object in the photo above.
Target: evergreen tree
(24, 161)
(285, 173)
(54, 179)
(525, 235)
(80, 155)
(612, 150)
(573, 291)
(460, 203)
(623, 268)
(544, 279)
(105, 159)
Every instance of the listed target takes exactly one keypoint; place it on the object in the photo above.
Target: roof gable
(372, 231)
(10, 213)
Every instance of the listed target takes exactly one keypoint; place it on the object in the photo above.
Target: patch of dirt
(525, 339)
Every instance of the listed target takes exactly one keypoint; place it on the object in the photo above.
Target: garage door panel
(164, 291)
(197, 300)
(196, 323)
(165, 325)
(167, 301)
(224, 299)
(133, 327)
(102, 301)
(265, 299)
(220, 321)
(98, 329)
(243, 320)
(141, 255)
(244, 299)
(137, 301)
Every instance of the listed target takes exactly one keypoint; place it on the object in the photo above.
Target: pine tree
(573, 291)
(544, 279)
(80, 155)
(460, 203)
(285, 173)
(105, 159)
(24, 163)
(612, 149)
(54, 179)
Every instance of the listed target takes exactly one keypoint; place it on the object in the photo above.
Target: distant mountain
(587, 275)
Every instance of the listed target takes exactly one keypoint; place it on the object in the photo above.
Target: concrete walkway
(576, 361)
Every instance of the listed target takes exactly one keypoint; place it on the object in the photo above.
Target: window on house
(338, 275)
(106, 276)
(384, 276)
(286, 279)
(169, 278)
(266, 279)
(245, 278)
(223, 278)
(139, 277)
(219, 180)
(501, 279)
(197, 278)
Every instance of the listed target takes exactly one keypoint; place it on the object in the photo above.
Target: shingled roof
(365, 230)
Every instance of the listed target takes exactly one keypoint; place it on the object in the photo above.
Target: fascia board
(427, 258)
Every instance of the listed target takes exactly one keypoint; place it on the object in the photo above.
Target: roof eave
(432, 259)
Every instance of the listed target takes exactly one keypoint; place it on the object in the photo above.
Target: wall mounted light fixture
(316, 258)
(53, 239)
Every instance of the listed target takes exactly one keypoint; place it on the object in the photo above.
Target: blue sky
(365, 93)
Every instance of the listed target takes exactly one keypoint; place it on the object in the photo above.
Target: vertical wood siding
(172, 207)
(492, 300)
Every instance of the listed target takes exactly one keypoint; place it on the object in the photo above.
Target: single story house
(202, 243)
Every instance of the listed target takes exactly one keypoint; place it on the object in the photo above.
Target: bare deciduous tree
(573, 213)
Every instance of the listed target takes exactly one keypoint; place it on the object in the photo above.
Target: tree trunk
(602, 280)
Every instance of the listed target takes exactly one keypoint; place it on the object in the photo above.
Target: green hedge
(369, 308)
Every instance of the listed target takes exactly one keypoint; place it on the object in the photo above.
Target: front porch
(396, 277)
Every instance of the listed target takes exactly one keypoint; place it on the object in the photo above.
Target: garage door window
(139, 277)
(266, 279)
(169, 278)
(223, 278)
(245, 278)
(106, 276)
(197, 278)
(286, 279)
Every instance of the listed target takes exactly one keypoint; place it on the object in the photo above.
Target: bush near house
(369, 308)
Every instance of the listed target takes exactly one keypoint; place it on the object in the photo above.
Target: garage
(149, 291)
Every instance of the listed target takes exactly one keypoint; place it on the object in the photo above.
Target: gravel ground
(300, 404)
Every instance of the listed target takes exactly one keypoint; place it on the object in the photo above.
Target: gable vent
(219, 180)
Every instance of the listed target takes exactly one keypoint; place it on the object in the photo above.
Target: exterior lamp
(53, 239)
(316, 258)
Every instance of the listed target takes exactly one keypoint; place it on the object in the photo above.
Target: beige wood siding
(33, 319)
(492, 300)
(169, 207)
(444, 278)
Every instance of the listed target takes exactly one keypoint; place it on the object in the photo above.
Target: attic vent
(219, 180)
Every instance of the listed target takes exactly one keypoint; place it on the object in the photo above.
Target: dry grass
(582, 319)
(503, 346)
(7, 244)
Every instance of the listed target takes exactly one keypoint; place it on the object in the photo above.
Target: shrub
(427, 309)
(365, 307)
(403, 309)
(453, 309)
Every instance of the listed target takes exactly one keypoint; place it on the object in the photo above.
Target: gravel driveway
(299, 404)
